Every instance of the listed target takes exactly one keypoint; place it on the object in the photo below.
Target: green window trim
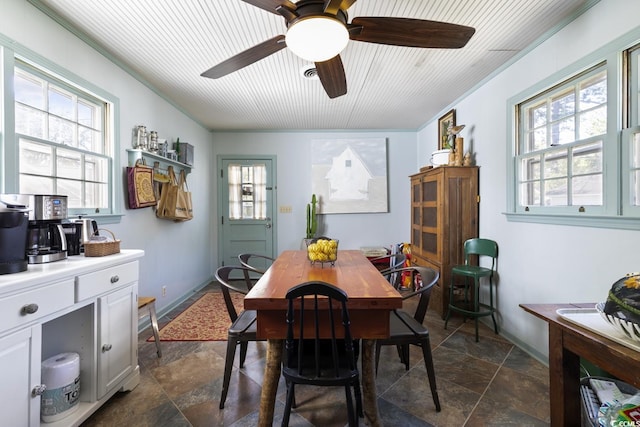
(617, 211)
(10, 52)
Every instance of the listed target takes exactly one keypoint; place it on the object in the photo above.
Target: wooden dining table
(371, 299)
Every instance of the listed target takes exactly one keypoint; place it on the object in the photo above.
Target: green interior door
(246, 189)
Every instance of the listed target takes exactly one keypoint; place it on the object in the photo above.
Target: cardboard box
(185, 153)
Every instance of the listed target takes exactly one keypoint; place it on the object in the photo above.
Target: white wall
(176, 255)
(541, 263)
(293, 151)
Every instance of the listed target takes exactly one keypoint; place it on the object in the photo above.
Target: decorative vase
(459, 151)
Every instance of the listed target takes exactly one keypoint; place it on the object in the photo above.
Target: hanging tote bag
(140, 186)
(184, 207)
(167, 194)
(175, 199)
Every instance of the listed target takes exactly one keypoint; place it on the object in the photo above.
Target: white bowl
(630, 329)
(440, 157)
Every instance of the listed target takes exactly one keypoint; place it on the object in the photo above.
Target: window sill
(114, 218)
(616, 222)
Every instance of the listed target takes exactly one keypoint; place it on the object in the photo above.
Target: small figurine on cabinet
(466, 161)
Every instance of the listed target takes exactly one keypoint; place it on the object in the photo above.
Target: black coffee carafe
(13, 241)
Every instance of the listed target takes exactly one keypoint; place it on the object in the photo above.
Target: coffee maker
(13, 238)
(46, 236)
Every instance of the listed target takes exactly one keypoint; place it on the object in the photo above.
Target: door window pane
(247, 191)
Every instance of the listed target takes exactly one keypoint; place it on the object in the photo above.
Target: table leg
(369, 396)
(270, 382)
(564, 381)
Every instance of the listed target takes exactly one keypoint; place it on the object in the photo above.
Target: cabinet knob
(114, 279)
(106, 347)
(38, 390)
(28, 309)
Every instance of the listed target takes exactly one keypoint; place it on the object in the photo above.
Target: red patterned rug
(206, 319)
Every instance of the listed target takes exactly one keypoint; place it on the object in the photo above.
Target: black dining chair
(243, 324)
(310, 357)
(407, 329)
(396, 260)
(391, 262)
(256, 262)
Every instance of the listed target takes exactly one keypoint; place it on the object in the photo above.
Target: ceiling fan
(318, 30)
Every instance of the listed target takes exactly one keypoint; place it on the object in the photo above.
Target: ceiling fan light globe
(318, 38)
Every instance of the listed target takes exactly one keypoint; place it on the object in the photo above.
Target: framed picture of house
(350, 175)
(444, 124)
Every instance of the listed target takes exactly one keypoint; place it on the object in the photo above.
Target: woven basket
(102, 248)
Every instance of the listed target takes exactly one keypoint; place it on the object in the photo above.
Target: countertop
(53, 271)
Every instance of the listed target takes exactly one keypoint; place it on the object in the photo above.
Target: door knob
(106, 347)
(38, 390)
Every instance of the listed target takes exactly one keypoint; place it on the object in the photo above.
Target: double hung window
(560, 144)
(63, 144)
(575, 157)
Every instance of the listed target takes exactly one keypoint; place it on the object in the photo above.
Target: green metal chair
(473, 309)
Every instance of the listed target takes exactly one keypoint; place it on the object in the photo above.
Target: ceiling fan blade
(409, 32)
(346, 4)
(332, 6)
(332, 77)
(271, 5)
(247, 57)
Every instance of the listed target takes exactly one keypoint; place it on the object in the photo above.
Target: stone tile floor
(489, 383)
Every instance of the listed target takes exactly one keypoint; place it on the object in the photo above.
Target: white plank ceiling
(169, 43)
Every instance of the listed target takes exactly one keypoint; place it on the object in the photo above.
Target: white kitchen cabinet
(83, 305)
(117, 351)
(19, 407)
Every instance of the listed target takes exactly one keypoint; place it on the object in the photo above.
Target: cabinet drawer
(32, 305)
(99, 282)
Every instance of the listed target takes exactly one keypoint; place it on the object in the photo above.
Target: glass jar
(153, 141)
(140, 141)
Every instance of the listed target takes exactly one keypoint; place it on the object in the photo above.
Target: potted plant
(312, 219)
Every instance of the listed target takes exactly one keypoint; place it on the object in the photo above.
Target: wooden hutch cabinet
(444, 213)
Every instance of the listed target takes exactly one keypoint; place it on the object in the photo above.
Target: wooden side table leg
(369, 396)
(270, 382)
(564, 382)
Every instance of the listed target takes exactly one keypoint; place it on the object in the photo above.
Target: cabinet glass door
(429, 235)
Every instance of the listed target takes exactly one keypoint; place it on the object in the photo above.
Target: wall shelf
(151, 158)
